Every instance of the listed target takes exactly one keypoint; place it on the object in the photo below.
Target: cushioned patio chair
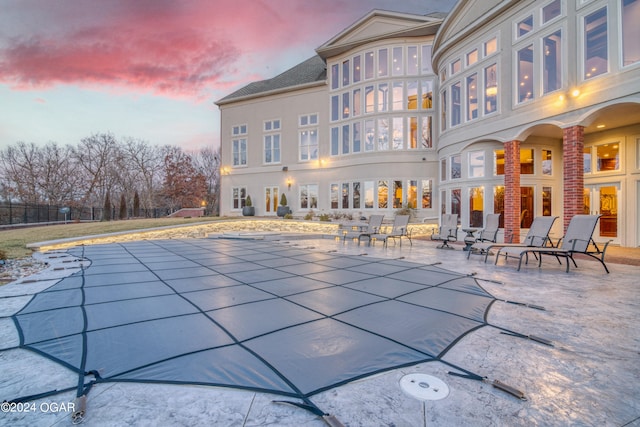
(399, 230)
(488, 234)
(448, 231)
(577, 240)
(537, 236)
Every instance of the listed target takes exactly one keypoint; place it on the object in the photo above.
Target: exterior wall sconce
(289, 182)
(225, 170)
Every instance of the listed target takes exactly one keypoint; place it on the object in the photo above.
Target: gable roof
(377, 25)
(312, 71)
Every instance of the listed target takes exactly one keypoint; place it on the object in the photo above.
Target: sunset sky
(151, 69)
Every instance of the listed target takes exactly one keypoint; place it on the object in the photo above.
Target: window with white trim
(239, 145)
(308, 137)
(596, 44)
(271, 141)
(238, 197)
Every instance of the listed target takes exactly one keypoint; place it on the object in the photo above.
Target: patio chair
(373, 227)
(488, 234)
(448, 231)
(577, 240)
(537, 236)
(399, 230)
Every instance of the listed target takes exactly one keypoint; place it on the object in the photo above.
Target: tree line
(103, 171)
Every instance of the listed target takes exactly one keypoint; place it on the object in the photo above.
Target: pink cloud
(168, 47)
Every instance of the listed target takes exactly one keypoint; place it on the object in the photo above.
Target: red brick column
(512, 191)
(573, 170)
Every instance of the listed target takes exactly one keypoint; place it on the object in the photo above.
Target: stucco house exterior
(523, 108)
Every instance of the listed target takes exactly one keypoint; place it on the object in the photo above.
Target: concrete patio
(589, 376)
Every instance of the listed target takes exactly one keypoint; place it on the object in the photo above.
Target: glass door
(271, 200)
(603, 199)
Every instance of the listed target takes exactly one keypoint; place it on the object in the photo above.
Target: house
(523, 108)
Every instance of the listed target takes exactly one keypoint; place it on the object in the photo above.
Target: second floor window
(239, 152)
(596, 54)
(308, 137)
(272, 148)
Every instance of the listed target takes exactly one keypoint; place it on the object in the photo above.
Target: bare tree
(207, 163)
(93, 156)
(147, 162)
(21, 167)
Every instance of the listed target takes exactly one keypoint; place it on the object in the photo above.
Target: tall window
(552, 62)
(308, 137)
(547, 165)
(357, 136)
(412, 95)
(455, 104)
(443, 118)
(472, 96)
(498, 162)
(525, 74)
(368, 194)
(526, 206)
(476, 164)
(427, 132)
(369, 135)
(369, 99)
(426, 194)
(272, 141)
(357, 103)
(412, 194)
(596, 54)
(398, 133)
(368, 65)
(383, 194)
(398, 61)
(272, 148)
(398, 96)
(333, 194)
(346, 141)
(413, 132)
(546, 201)
(383, 63)
(527, 165)
(476, 206)
(335, 141)
(397, 194)
(586, 159)
(356, 195)
(335, 76)
(425, 64)
(345, 105)
(426, 90)
(345, 195)
(239, 145)
(345, 73)
(456, 167)
(455, 202)
(630, 32)
(238, 197)
(498, 206)
(383, 97)
(356, 69)
(309, 196)
(412, 60)
(383, 134)
(490, 89)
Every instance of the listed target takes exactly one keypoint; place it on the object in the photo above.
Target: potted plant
(283, 209)
(248, 209)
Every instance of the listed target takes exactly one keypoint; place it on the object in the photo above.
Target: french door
(271, 200)
(604, 199)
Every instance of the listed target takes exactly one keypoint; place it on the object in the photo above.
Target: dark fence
(21, 213)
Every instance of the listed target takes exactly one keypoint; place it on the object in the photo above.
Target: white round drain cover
(424, 387)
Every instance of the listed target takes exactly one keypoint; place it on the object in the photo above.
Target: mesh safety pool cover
(248, 314)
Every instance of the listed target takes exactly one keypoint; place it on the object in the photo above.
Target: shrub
(324, 217)
(288, 216)
(309, 215)
(247, 201)
(406, 210)
(283, 200)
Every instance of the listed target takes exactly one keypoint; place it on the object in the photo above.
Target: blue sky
(151, 69)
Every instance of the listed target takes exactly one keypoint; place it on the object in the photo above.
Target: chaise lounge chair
(577, 240)
(375, 222)
(488, 234)
(399, 230)
(538, 236)
(448, 231)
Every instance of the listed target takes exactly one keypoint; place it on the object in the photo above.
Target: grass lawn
(13, 241)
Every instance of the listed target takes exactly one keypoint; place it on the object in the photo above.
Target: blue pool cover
(247, 314)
